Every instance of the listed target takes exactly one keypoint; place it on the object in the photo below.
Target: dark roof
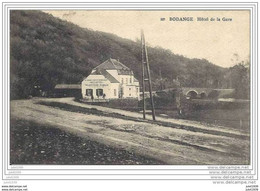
(112, 64)
(125, 72)
(106, 75)
(68, 86)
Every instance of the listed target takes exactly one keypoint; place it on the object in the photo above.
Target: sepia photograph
(130, 87)
(129, 96)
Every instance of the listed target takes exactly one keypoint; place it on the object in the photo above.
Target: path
(168, 144)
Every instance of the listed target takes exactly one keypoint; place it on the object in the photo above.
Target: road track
(181, 142)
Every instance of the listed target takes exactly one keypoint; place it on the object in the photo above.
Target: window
(114, 92)
(121, 92)
(129, 89)
(89, 92)
(126, 81)
(122, 80)
(99, 92)
(130, 80)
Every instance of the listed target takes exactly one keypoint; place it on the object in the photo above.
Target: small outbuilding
(67, 90)
(110, 80)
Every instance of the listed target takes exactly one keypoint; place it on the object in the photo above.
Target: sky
(223, 42)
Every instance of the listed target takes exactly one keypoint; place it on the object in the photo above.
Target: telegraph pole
(145, 65)
(143, 74)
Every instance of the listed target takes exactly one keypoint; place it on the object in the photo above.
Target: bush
(123, 103)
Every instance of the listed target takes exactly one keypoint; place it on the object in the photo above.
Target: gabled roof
(112, 64)
(68, 86)
(106, 75)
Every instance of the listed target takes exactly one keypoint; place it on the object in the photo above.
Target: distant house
(110, 80)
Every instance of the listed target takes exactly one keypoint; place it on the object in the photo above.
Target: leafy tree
(240, 80)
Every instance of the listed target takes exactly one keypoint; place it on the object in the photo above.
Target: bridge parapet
(202, 92)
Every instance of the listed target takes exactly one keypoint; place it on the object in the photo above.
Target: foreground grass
(32, 143)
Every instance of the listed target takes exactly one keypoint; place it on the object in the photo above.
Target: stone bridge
(197, 92)
(202, 93)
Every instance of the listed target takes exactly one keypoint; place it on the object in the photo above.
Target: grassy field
(236, 118)
(32, 143)
(233, 115)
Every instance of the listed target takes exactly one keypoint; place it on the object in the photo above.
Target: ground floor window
(99, 92)
(89, 92)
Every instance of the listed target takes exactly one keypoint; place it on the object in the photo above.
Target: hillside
(46, 51)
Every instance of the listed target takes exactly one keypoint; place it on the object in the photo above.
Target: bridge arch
(192, 94)
(203, 95)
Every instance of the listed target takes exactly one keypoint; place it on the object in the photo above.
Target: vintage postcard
(132, 87)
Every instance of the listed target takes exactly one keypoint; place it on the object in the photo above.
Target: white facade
(99, 87)
(110, 80)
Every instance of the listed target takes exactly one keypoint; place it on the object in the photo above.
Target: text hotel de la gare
(197, 19)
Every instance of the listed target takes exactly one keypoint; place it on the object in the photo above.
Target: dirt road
(192, 143)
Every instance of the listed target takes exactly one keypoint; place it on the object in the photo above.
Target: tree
(240, 79)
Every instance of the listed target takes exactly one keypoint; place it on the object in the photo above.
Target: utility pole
(145, 66)
(143, 74)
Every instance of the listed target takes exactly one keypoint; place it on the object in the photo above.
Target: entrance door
(121, 92)
(99, 92)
